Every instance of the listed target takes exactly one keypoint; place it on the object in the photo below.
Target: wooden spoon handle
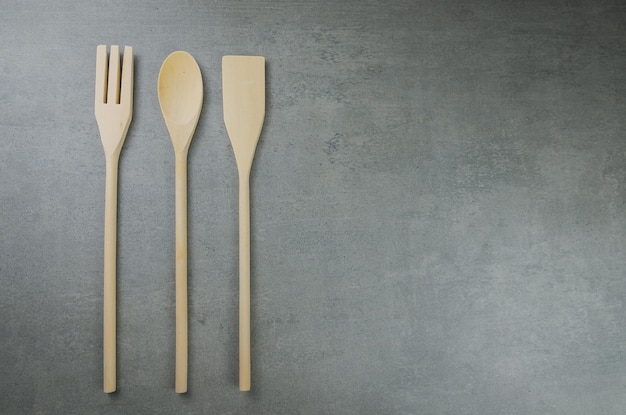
(181, 273)
(244, 283)
(110, 254)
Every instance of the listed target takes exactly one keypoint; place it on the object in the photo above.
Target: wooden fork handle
(181, 273)
(244, 283)
(110, 264)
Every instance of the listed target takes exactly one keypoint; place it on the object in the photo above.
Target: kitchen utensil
(180, 91)
(114, 111)
(243, 88)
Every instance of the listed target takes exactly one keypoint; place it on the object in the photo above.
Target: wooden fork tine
(113, 93)
(126, 94)
(101, 74)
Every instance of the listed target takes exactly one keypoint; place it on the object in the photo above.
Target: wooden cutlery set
(180, 92)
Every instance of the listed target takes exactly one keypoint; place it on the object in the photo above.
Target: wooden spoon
(243, 88)
(180, 96)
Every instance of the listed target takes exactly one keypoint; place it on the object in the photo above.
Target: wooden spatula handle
(181, 273)
(244, 282)
(110, 254)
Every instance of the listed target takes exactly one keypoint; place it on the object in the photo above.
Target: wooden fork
(114, 111)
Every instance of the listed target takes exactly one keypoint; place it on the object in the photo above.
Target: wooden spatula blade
(243, 89)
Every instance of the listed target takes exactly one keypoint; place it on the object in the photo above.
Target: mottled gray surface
(438, 209)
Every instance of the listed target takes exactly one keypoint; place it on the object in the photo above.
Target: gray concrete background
(438, 209)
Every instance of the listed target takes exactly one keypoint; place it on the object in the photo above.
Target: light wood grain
(113, 109)
(180, 91)
(243, 88)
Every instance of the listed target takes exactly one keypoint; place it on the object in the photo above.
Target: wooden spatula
(243, 87)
